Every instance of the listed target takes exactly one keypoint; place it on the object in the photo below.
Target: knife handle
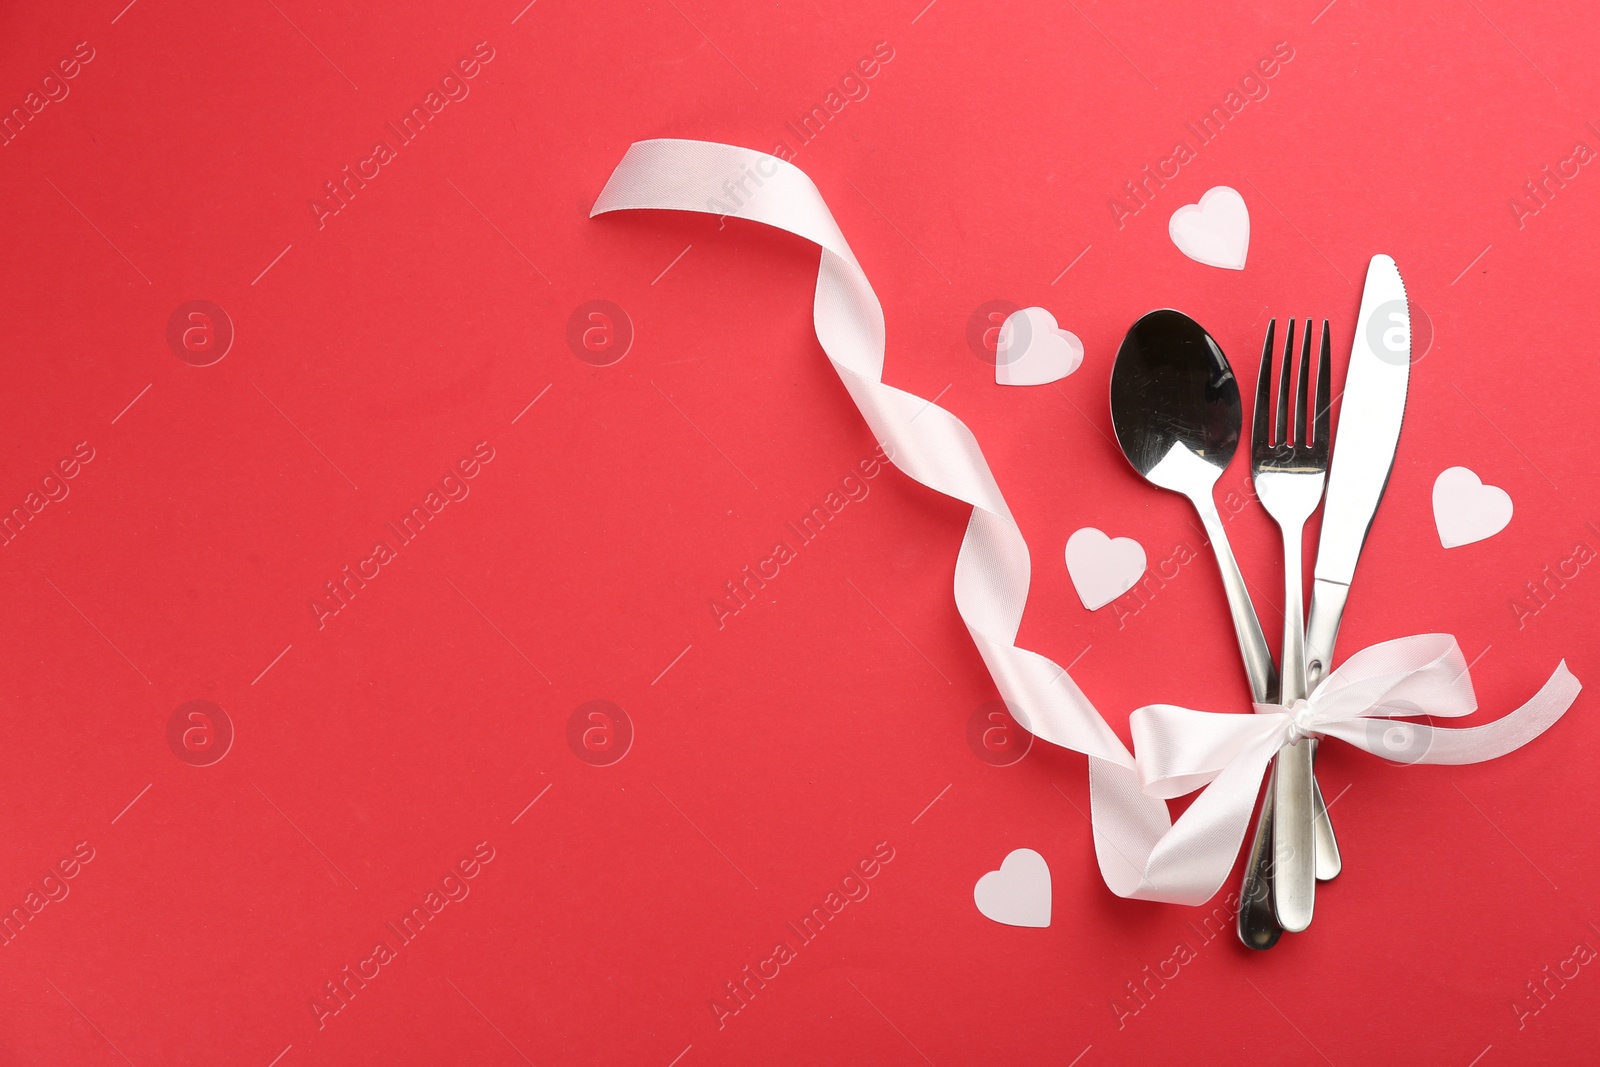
(1322, 628)
(1329, 861)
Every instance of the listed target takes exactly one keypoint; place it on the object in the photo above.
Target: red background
(769, 756)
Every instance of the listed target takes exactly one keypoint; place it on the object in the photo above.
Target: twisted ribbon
(1141, 852)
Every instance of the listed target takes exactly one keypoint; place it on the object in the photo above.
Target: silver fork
(1289, 464)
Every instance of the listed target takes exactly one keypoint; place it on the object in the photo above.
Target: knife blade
(1373, 408)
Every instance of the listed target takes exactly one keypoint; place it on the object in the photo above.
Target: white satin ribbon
(1141, 852)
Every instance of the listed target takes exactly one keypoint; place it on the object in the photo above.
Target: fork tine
(1283, 386)
(1301, 435)
(1261, 437)
(1324, 393)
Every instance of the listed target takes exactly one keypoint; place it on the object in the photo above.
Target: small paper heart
(1018, 894)
(1033, 350)
(1216, 231)
(1103, 568)
(1465, 510)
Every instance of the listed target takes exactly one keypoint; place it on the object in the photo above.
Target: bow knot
(1302, 721)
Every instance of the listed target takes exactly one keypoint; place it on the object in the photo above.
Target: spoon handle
(1246, 627)
(1258, 924)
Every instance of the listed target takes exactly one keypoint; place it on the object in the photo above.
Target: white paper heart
(1033, 350)
(1465, 510)
(1216, 231)
(1103, 568)
(1018, 894)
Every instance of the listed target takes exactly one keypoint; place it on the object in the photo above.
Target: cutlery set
(1176, 411)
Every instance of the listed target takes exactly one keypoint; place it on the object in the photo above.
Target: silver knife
(1373, 407)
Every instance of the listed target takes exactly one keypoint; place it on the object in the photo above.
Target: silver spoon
(1177, 415)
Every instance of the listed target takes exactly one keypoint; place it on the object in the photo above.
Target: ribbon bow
(1178, 750)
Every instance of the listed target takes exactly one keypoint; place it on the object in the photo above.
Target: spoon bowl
(1175, 404)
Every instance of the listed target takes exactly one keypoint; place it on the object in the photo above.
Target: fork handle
(1258, 923)
(1294, 853)
(1293, 843)
(1292, 682)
